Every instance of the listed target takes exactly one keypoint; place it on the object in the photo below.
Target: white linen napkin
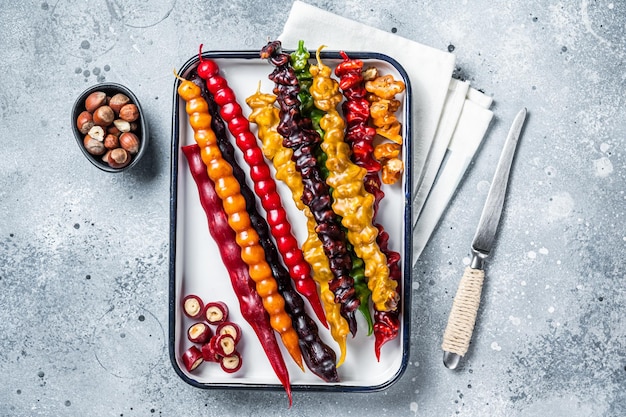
(443, 109)
(450, 165)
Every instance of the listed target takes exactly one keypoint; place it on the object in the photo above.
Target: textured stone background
(84, 253)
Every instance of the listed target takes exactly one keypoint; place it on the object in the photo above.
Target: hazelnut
(93, 146)
(84, 122)
(112, 130)
(95, 100)
(122, 125)
(118, 101)
(133, 126)
(129, 112)
(97, 132)
(119, 158)
(111, 141)
(103, 116)
(130, 142)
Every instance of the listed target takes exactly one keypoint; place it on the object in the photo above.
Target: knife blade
(462, 319)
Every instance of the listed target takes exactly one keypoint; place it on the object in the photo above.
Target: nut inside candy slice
(192, 358)
(225, 345)
(199, 333)
(231, 363)
(216, 312)
(193, 306)
(230, 328)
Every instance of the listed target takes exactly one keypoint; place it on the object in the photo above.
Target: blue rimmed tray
(196, 266)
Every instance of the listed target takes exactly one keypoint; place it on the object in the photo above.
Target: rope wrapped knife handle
(458, 333)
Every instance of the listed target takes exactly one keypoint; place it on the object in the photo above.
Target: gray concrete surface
(84, 254)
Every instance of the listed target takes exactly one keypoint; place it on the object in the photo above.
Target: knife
(458, 332)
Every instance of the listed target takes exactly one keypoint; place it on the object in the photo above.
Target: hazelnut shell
(129, 112)
(95, 100)
(103, 116)
(118, 101)
(111, 141)
(93, 146)
(84, 122)
(119, 158)
(112, 130)
(130, 142)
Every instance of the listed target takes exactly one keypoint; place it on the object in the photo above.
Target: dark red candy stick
(250, 302)
(387, 323)
(356, 109)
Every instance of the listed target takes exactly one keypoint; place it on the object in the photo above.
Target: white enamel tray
(196, 266)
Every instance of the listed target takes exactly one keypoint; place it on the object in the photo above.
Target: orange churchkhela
(234, 204)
